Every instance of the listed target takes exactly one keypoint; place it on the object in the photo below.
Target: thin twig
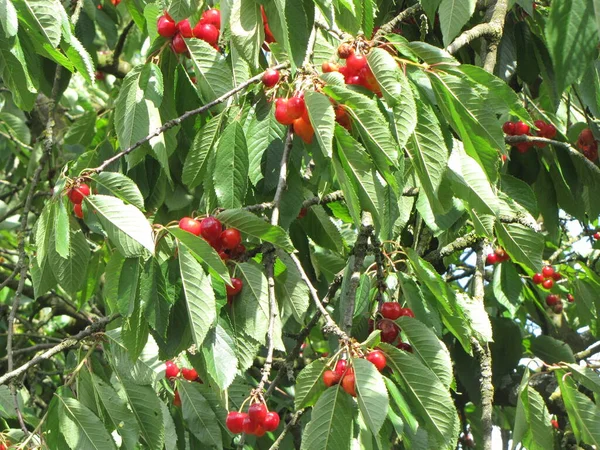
(591, 350)
(293, 421)
(389, 26)
(121, 44)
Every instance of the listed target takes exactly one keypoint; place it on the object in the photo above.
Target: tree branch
(293, 421)
(479, 30)
(389, 26)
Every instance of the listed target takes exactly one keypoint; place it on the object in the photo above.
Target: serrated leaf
(246, 25)
(507, 287)
(199, 416)
(145, 406)
(405, 112)
(194, 168)
(532, 421)
(81, 429)
(145, 370)
(125, 225)
(180, 9)
(292, 292)
(218, 352)
(523, 244)
(199, 296)
(61, 230)
(41, 16)
(15, 73)
(70, 271)
(454, 14)
(79, 57)
(250, 224)
(213, 74)
(551, 350)
(309, 384)
(387, 74)
(119, 185)
(230, 177)
(371, 394)
(322, 119)
(8, 18)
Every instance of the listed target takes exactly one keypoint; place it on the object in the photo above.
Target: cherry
(281, 112)
(328, 66)
(304, 130)
(491, 259)
(570, 298)
(330, 378)
(271, 421)
(190, 225)
(501, 254)
(176, 399)
(356, 62)
(224, 256)
(166, 27)
(354, 80)
(78, 193)
(213, 17)
(99, 77)
(597, 236)
(554, 424)
(349, 383)
(556, 276)
(389, 331)
(189, 374)
(405, 346)
(378, 359)
(230, 238)
(548, 283)
(521, 128)
(296, 107)
(236, 288)
(249, 426)
(238, 251)
(207, 32)
(550, 131)
(548, 271)
(302, 213)
(558, 308)
(270, 77)
(585, 137)
(235, 421)
(78, 210)
(407, 312)
(391, 310)
(257, 413)
(345, 50)
(341, 366)
(260, 431)
(210, 229)
(185, 29)
(178, 44)
(509, 128)
(552, 299)
(538, 278)
(171, 370)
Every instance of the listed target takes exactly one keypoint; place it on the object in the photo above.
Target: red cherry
(238, 251)
(99, 77)
(190, 225)
(257, 412)
(304, 130)
(235, 421)
(230, 238)
(570, 298)
(556, 276)
(213, 17)
(207, 32)
(224, 256)
(538, 278)
(296, 107)
(491, 259)
(210, 229)
(550, 131)
(78, 210)
(178, 44)
(552, 299)
(189, 374)
(271, 421)
(389, 331)
(330, 378)
(345, 50)
(171, 370)
(349, 383)
(548, 283)
(586, 137)
(554, 423)
(597, 236)
(185, 29)
(249, 426)
(236, 288)
(405, 346)
(176, 399)
(281, 112)
(341, 366)
(260, 431)
(558, 308)
(547, 271)
(407, 312)
(356, 62)
(509, 128)
(391, 310)
(270, 77)
(354, 80)
(328, 66)
(165, 27)
(378, 359)
(302, 213)
(521, 128)
(78, 193)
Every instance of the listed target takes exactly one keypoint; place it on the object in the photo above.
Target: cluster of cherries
(257, 421)
(76, 194)
(344, 374)
(497, 257)
(206, 29)
(292, 111)
(547, 277)
(356, 71)
(545, 130)
(172, 371)
(588, 145)
(553, 301)
(390, 332)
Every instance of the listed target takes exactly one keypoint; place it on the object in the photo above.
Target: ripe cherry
(304, 130)
(329, 66)
(171, 370)
(281, 112)
(185, 29)
(271, 421)
(509, 128)
(210, 229)
(236, 288)
(391, 310)
(270, 77)
(389, 331)
(235, 421)
(586, 137)
(190, 225)
(558, 308)
(330, 378)
(538, 278)
(570, 298)
(491, 259)
(78, 210)
(178, 44)
(405, 346)
(378, 359)
(207, 32)
(176, 399)
(257, 412)
(345, 50)
(260, 431)
(99, 77)
(249, 426)
(224, 256)
(296, 107)
(78, 193)
(407, 312)
(165, 27)
(521, 128)
(355, 62)
(597, 236)
(189, 374)
(548, 271)
(554, 424)
(548, 283)
(349, 383)
(302, 213)
(341, 366)
(213, 17)
(230, 238)
(556, 276)
(552, 299)
(354, 80)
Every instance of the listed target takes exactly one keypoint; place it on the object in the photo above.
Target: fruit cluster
(344, 374)
(588, 145)
(553, 301)
(257, 421)
(206, 29)
(292, 111)
(172, 371)
(356, 71)
(497, 257)
(545, 130)
(390, 332)
(76, 194)
(547, 277)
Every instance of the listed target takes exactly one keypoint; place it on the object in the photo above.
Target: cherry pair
(257, 421)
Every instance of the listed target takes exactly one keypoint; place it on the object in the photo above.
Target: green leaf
(145, 370)
(155, 297)
(70, 271)
(15, 73)
(249, 224)
(41, 15)
(551, 350)
(427, 396)
(218, 351)
(320, 227)
(42, 277)
(245, 22)
(330, 427)
(230, 177)
(180, 9)
(197, 158)
(134, 331)
(430, 7)
(213, 74)
(78, 56)
(532, 421)
(125, 225)
(199, 416)
(119, 185)
(145, 406)
(61, 230)
(371, 394)
(81, 428)
(508, 287)
(322, 118)
(387, 73)
(405, 112)
(309, 384)
(430, 350)
(571, 35)
(8, 18)
(523, 244)
(291, 290)
(454, 14)
(199, 296)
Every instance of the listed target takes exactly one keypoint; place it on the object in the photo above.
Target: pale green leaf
(230, 177)
(41, 15)
(119, 185)
(245, 22)
(387, 73)
(454, 14)
(81, 429)
(70, 271)
(322, 118)
(145, 406)
(197, 158)
(199, 416)
(218, 352)
(213, 74)
(371, 394)
(8, 18)
(523, 244)
(309, 384)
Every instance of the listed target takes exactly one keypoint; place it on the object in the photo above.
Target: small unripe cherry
(407, 312)
(547, 271)
(271, 421)
(236, 287)
(391, 310)
(257, 412)
(185, 28)
(165, 27)
(270, 77)
(190, 225)
(345, 50)
(548, 283)
(349, 383)
(78, 193)
(509, 128)
(207, 32)
(378, 359)
(178, 44)
(171, 370)
(213, 17)
(235, 421)
(330, 378)
(230, 238)
(189, 374)
(78, 210)
(521, 128)
(329, 66)
(538, 278)
(552, 299)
